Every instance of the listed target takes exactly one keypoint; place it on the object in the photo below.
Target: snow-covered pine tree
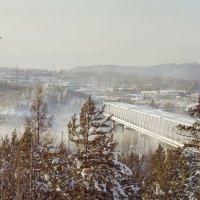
(174, 175)
(55, 171)
(96, 171)
(153, 182)
(4, 166)
(193, 131)
(23, 167)
(30, 167)
(132, 160)
(192, 182)
(191, 152)
(8, 153)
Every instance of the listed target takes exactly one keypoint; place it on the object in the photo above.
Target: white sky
(67, 33)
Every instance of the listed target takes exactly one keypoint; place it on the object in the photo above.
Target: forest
(33, 166)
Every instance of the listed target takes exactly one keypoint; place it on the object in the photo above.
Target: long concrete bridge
(151, 123)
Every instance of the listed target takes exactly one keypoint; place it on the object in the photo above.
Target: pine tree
(133, 162)
(191, 152)
(30, 167)
(23, 164)
(55, 171)
(153, 181)
(39, 121)
(193, 131)
(96, 172)
(4, 166)
(14, 142)
(180, 178)
(192, 182)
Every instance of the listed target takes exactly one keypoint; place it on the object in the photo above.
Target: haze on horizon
(64, 34)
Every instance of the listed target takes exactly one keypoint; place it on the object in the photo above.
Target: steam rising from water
(61, 116)
(133, 141)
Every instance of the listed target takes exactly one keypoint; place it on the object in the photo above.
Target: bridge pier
(122, 126)
(144, 144)
(129, 140)
(113, 125)
(135, 139)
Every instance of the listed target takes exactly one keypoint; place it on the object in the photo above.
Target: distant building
(171, 92)
(150, 93)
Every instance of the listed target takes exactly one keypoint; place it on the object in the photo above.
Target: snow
(135, 188)
(40, 148)
(180, 119)
(197, 172)
(13, 112)
(46, 177)
(78, 163)
(84, 172)
(72, 185)
(1, 171)
(58, 189)
(118, 190)
(56, 161)
(87, 185)
(116, 154)
(54, 150)
(159, 191)
(100, 187)
(42, 186)
(124, 169)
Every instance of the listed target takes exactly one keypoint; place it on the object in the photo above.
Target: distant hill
(176, 71)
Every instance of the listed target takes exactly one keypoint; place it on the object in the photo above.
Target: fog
(62, 104)
(66, 91)
(129, 140)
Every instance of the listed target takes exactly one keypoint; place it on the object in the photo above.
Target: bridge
(150, 123)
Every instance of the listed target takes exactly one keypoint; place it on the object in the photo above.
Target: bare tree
(39, 121)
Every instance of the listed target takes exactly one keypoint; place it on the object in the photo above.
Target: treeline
(166, 175)
(125, 79)
(108, 76)
(19, 96)
(15, 72)
(33, 167)
(15, 100)
(48, 171)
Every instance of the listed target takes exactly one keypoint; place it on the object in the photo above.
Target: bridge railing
(151, 122)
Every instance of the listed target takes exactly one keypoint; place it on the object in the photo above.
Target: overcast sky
(67, 33)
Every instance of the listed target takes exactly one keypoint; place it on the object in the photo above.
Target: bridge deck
(153, 122)
(182, 119)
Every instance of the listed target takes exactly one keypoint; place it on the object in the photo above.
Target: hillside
(176, 71)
